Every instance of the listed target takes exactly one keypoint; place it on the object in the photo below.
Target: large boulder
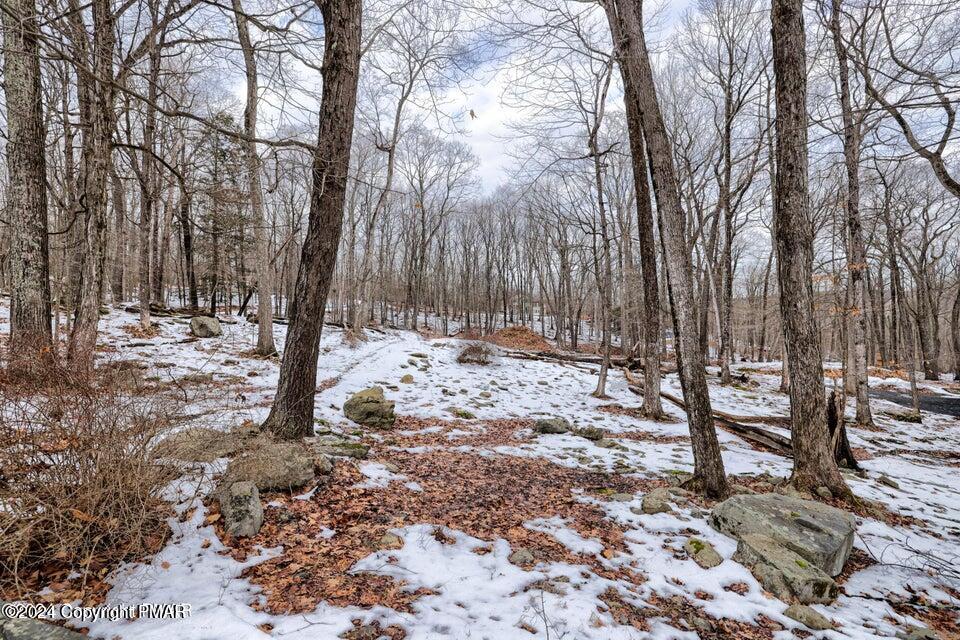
(370, 409)
(241, 509)
(784, 573)
(272, 466)
(205, 326)
(820, 534)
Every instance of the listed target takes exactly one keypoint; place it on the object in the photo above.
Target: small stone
(741, 489)
(407, 379)
(622, 497)
(808, 617)
(886, 480)
(331, 445)
(701, 624)
(241, 509)
(591, 433)
(521, 556)
(824, 492)
(551, 425)
(703, 553)
(322, 466)
(461, 413)
(917, 633)
(390, 541)
(657, 501)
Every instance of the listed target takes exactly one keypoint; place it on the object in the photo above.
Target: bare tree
(291, 415)
(626, 26)
(857, 253)
(26, 210)
(814, 463)
(263, 268)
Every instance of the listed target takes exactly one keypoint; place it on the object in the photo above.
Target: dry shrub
(475, 353)
(520, 337)
(79, 487)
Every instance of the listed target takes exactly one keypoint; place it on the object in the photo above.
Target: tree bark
(291, 415)
(814, 463)
(857, 253)
(264, 271)
(26, 192)
(95, 96)
(650, 291)
(626, 26)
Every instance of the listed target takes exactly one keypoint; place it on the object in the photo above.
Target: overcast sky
(488, 134)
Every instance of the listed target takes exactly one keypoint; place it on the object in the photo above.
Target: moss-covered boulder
(272, 466)
(369, 408)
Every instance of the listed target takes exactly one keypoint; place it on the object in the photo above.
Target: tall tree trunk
(291, 415)
(650, 290)
(955, 331)
(26, 192)
(814, 464)
(148, 177)
(95, 95)
(857, 253)
(120, 235)
(264, 270)
(626, 25)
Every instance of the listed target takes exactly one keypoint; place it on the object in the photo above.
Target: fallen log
(767, 439)
(583, 358)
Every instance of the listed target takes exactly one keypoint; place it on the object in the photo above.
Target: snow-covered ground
(468, 588)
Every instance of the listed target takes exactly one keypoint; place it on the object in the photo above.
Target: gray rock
(703, 553)
(591, 433)
(701, 624)
(390, 541)
(337, 447)
(205, 326)
(918, 633)
(657, 501)
(808, 617)
(241, 509)
(31, 629)
(322, 465)
(551, 425)
(622, 497)
(784, 573)
(272, 466)
(819, 533)
(824, 492)
(521, 556)
(370, 409)
(886, 480)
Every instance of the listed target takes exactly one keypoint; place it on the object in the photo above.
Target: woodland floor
(461, 495)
